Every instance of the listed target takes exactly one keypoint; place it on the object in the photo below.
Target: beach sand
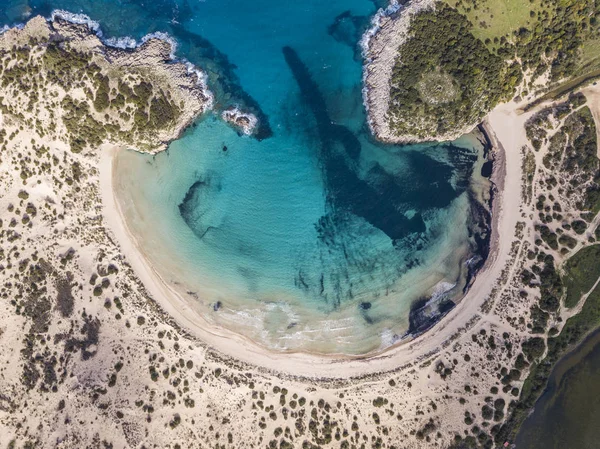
(505, 216)
(95, 347)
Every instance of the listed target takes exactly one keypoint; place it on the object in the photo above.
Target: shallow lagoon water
(567, 415)
(315, 237)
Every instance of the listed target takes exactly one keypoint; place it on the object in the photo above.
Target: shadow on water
(348, 29)
(189, 210)
(345, 190)
(170, 16)
(222, 77)
(381, 198)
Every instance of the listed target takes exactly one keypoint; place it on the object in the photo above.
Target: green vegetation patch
(116, 105)
(572, 150)
(575, 330)
(494, 19)
(581, 157)
(467, 79)
(589, 59)
(581, 273)
(437, 87)
(483, 47)
(560, 35)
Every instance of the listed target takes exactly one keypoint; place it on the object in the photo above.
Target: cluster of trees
(559, 31)
(575, 329)
(581, 157)
(544, 276)
(581, 273)
(485, 74)
(128, 108)
(572, 150)
(441, 41)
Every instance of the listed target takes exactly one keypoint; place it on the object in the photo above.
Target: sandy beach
(501, 122)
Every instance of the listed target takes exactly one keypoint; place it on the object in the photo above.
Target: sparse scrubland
(66, 71)
(89, 358)
(561, 267)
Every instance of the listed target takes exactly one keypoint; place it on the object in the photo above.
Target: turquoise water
(312, 237)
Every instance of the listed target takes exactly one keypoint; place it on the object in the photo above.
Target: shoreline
(251, 126)
(312, 365)
(379, 44)
(389, 29)
(127, 43)
(124, 336)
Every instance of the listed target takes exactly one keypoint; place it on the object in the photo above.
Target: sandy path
(592, 93)
(509, 135)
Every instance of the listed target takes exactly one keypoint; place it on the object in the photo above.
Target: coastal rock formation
(131, 97)
(434, 69)
(418, 85)
(380, 48)
(246, 122)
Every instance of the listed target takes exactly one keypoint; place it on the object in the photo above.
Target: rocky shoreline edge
(389, 30)
(379, 45)
(155, 51)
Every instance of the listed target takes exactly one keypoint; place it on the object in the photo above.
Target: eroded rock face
(380, 52)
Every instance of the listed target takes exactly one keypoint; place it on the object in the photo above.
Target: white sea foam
(79, 19)
(440, 291)
(473, 260)
(376, 22)
(235, 112)
(388, 338)
(126, 42)
(163, 37)
(202, 81)
(5, 28)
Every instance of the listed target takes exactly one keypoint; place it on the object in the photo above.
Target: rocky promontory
(138, 97)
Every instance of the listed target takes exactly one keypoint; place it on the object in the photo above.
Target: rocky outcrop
(246, 122)
(380, 49)
(175, 89)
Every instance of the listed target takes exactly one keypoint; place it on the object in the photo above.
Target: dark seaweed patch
(348, 29)
(423, 315)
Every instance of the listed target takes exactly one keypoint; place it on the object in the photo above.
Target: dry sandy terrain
(96, 351)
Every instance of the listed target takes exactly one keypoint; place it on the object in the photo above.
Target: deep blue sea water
(314, 236)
